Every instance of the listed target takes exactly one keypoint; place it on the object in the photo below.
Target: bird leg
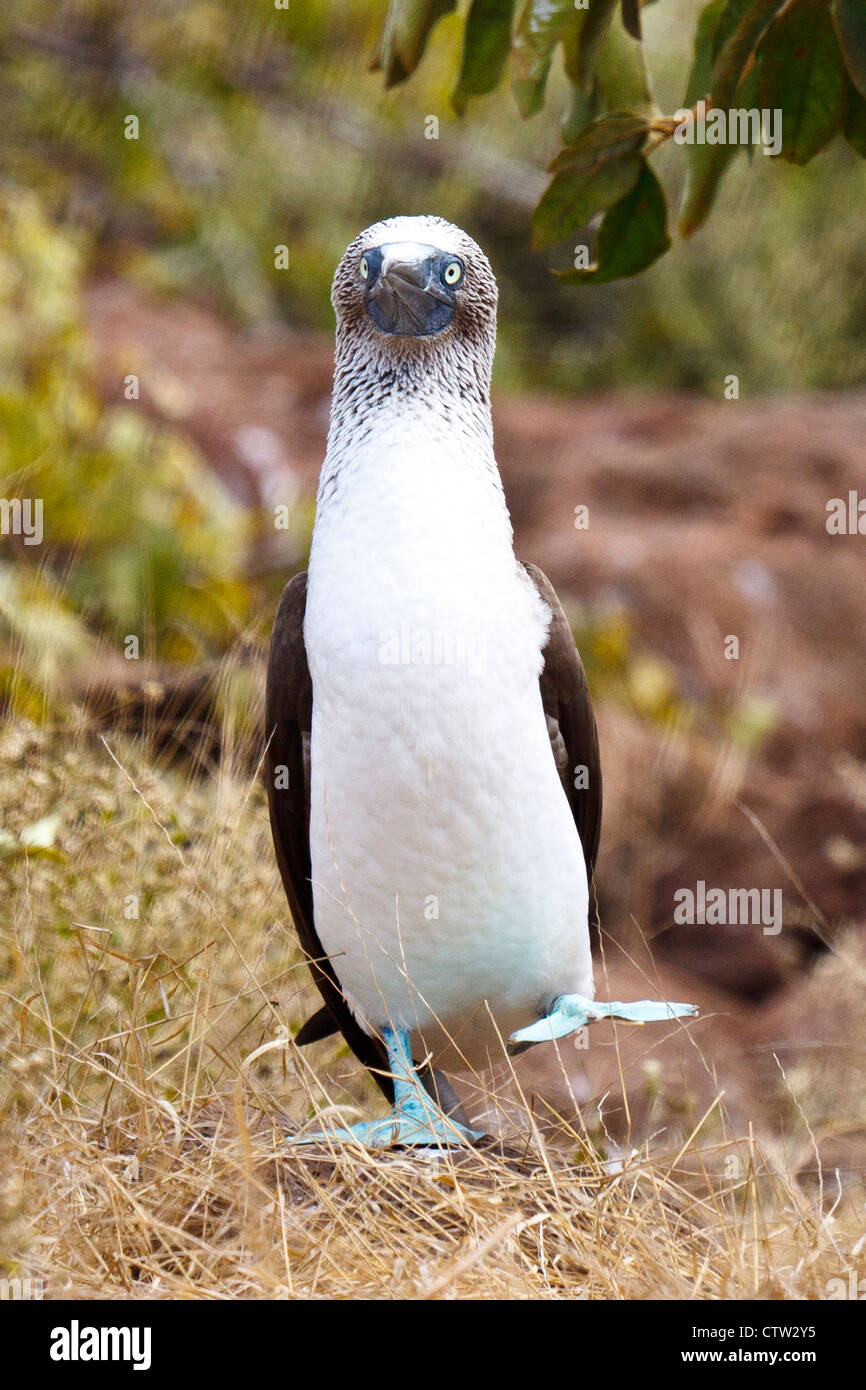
(571, 1012)
(415, 1120)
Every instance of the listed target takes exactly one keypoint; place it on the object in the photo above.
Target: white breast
(448, 877)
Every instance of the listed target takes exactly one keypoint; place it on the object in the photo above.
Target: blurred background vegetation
(261, 127)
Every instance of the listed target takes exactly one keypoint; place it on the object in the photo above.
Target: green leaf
(584, 107)
(573, 198)
(607, 138)
(705, 164)
(621, 81)
(750, 20)
(592, 35)
(407, 28)
(621, 72)
(485, 49)
(849, 17)
(571, 48)
(633, 234)
(855, 121)
(702, 62)
(733, 12)
(587, 99)
(801, 71)
(538, 31)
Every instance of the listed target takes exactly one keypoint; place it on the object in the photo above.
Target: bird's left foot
(416, 1120)
(571, 1012)
(402, 1128)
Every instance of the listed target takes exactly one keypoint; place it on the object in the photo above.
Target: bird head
(410, 286)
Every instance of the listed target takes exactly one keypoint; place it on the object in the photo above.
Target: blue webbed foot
(571, 1012)
(398, 1129)
(416, 1120)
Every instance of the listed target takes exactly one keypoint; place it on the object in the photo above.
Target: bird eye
(453, 273)
(364, 268)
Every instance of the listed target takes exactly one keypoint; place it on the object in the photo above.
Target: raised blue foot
(415, 1120)
(571, 1012)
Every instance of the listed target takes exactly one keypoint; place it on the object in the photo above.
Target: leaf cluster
(804, 58)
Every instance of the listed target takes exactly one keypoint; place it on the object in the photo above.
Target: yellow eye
(364, 268)
(453, 273)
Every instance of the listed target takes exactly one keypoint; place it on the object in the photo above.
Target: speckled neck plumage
(441, 396)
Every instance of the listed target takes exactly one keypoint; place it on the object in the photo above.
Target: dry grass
(149, 1078)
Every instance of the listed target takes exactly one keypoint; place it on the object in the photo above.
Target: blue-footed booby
(433, 765)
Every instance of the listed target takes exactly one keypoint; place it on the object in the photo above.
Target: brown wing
(289, 712)
(571, 725)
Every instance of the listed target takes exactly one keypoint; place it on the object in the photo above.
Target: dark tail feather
(321, 1025)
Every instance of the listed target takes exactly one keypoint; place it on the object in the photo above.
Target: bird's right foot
(571, 1012)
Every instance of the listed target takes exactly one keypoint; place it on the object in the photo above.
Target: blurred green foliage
(802, 62)
(260, 127)
(139, 536)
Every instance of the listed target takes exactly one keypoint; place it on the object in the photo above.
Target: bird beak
(407, 297)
